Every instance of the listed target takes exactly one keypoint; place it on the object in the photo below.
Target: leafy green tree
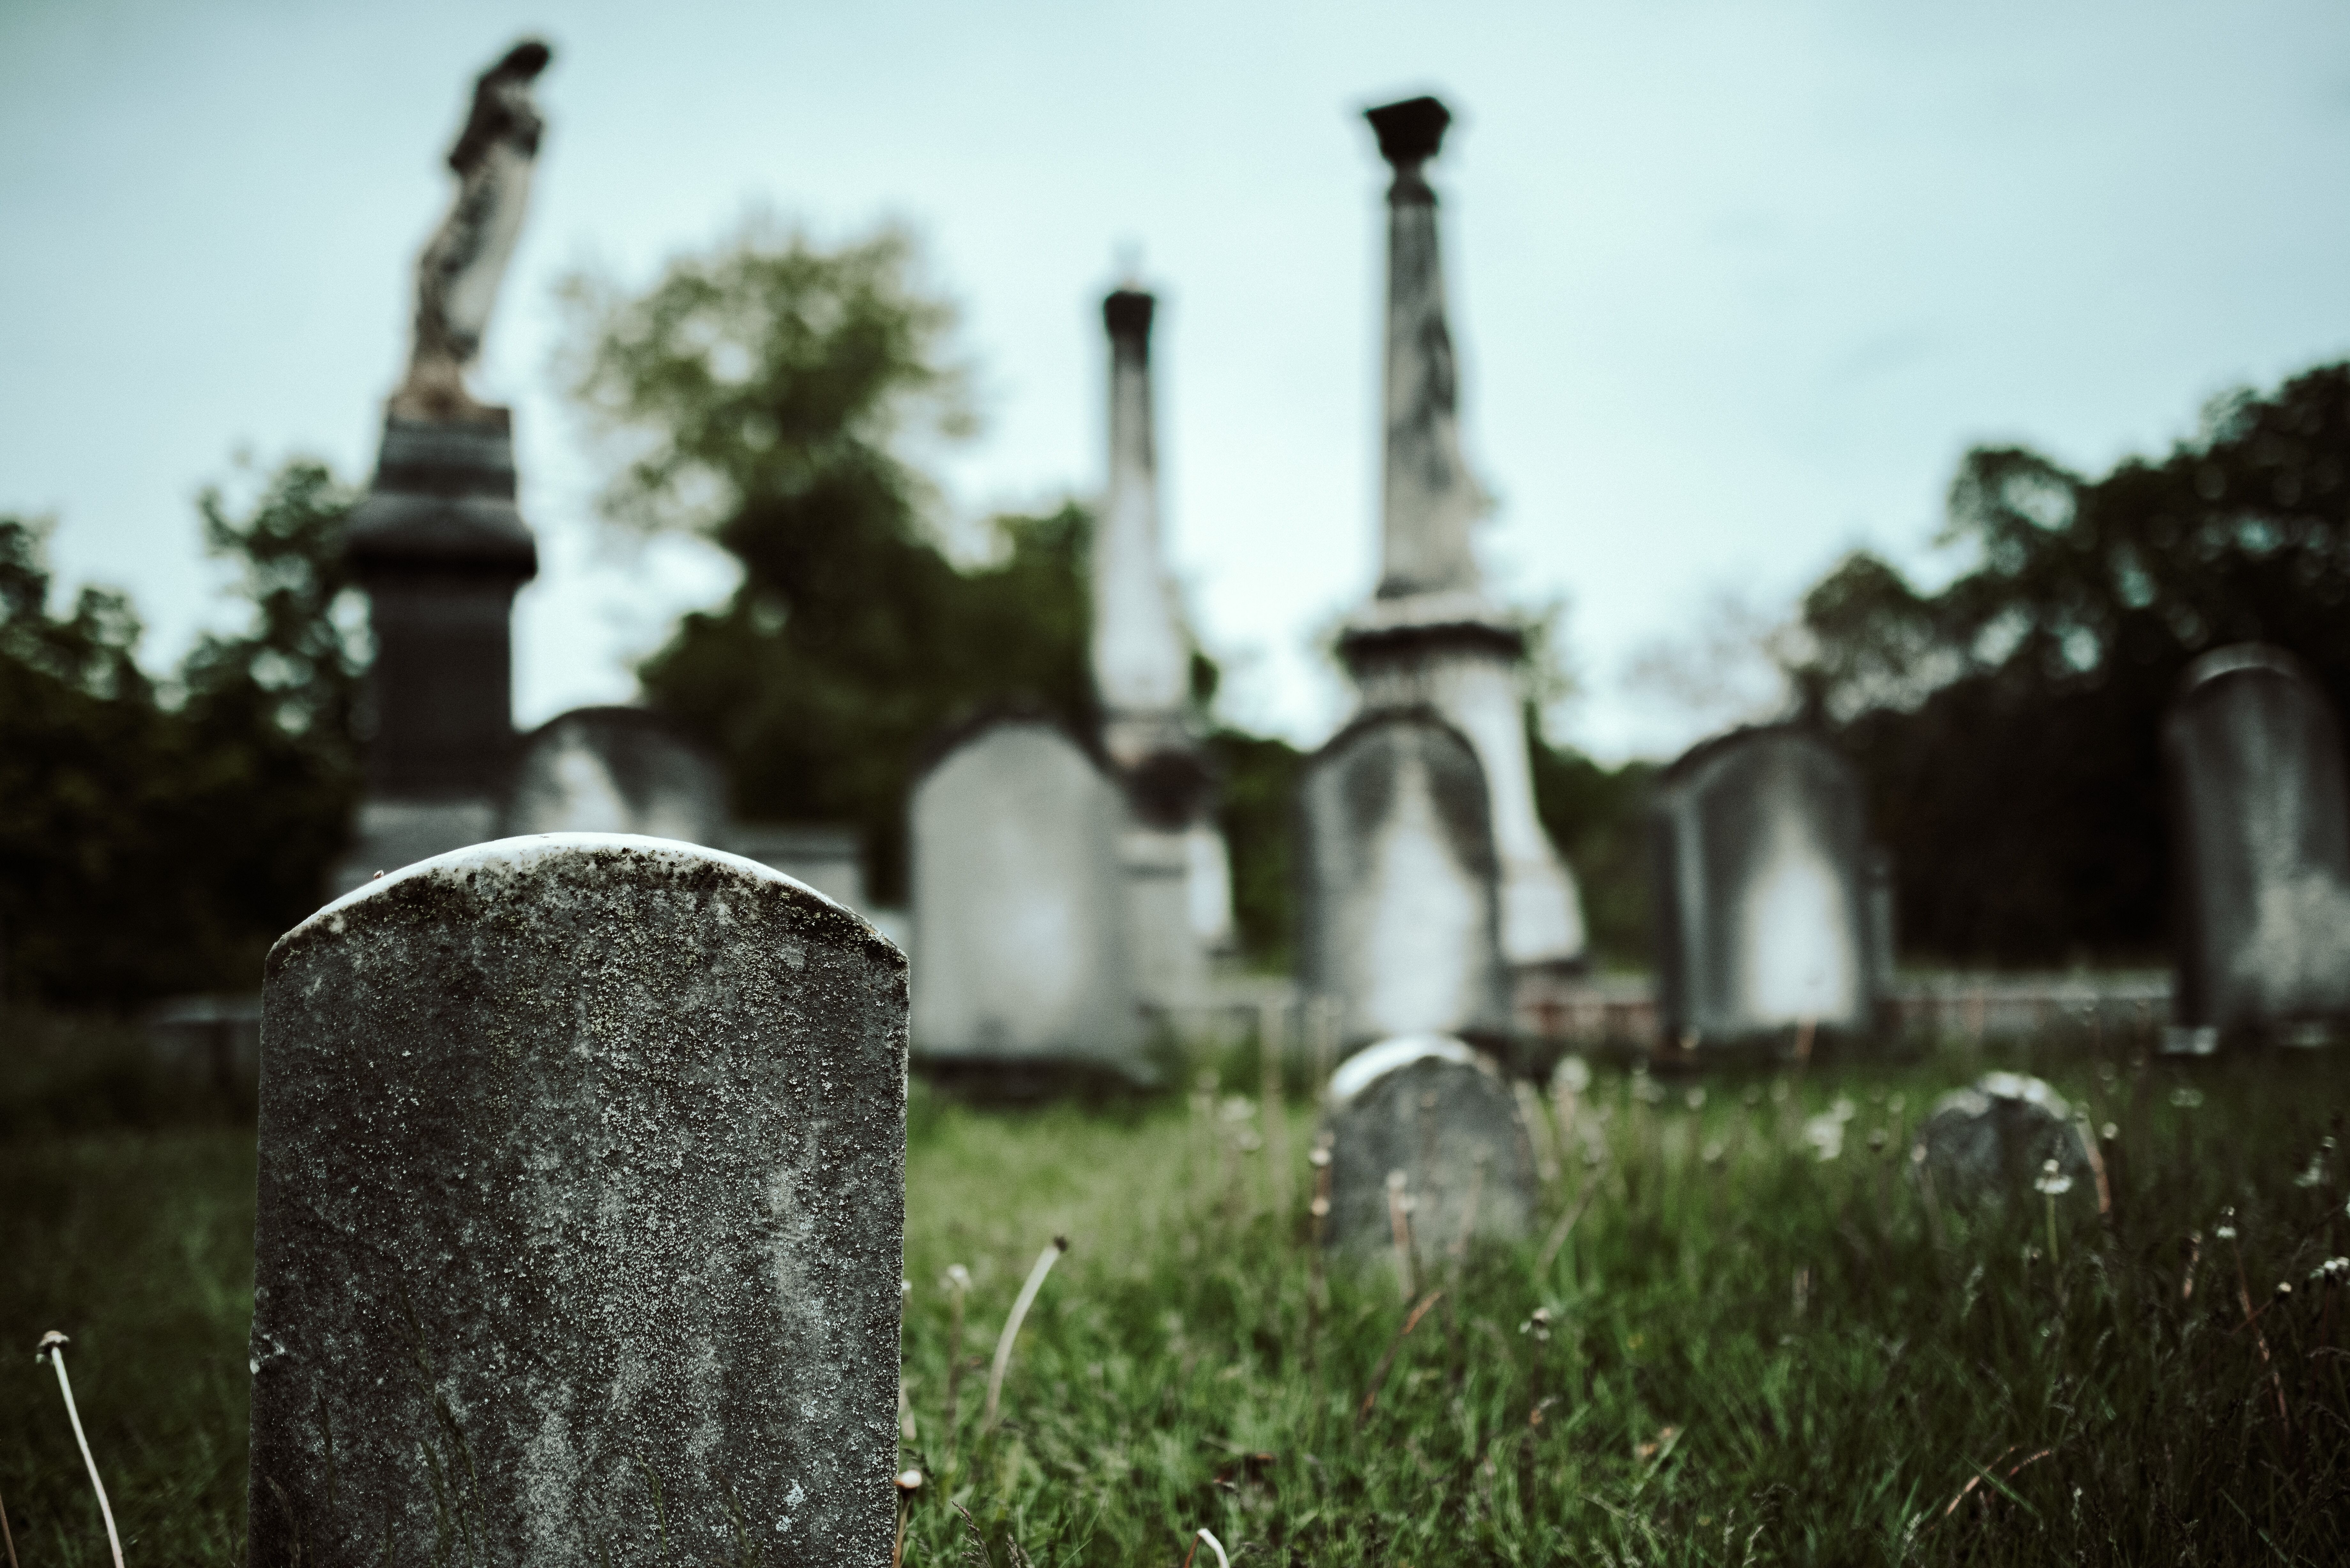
(2009, 724)
(154, 841)
(773, 396)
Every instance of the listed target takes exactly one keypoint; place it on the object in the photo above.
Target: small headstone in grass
(1767, 922)
(2261, 836)
(616, 769)
(582, 1212)
(1401, 921)
(1994, 1138)
(1021, 906)
(1439, 1112)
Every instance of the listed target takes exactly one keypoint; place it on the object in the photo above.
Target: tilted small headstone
(1399, 921)
(1440, 1114)
(616, 769)
(1984, 1143)
(2260, 848)
(1020, 907)
(582, 1212)
(1765, 919)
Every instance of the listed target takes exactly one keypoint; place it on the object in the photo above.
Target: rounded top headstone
(555, 868)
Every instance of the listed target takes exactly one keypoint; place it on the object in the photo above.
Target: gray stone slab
(1441, 1116)
(2259, 846)
(1399, 924)
(616, 769)
(1992, 1141)
(582, 1165)
(1764, 913)
(1020, 905)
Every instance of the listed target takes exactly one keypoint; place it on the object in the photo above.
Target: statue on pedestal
(457, 276)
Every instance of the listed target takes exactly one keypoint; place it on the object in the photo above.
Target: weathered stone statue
(439, 544)
(457, 276)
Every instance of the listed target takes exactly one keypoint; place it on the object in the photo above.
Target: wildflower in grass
(2109, 1132)
(1538, 1326)
(2332, 1272)
(1876, 1140)
(2187, 1096)
(1713, 1152)
(2053, 1183)
(1825, 1133)
(1573, 1075)
(52, 1350)
(2315, 1174)
(1695, 1098)
(1894, 1103)
(2225, 1230)
(1843, 1109)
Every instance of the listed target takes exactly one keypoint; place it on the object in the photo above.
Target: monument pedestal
(1463, 657)
(440, 548)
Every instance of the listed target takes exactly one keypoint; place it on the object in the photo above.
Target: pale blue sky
(1734, 284)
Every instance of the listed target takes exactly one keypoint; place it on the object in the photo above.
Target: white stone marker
(582, 1198)
(2260, 850)
(1399, 920)
(1020, 906)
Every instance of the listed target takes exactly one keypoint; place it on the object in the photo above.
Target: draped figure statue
(457, 276)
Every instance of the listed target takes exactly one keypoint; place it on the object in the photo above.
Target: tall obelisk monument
(1176, 866)
(1430, 634)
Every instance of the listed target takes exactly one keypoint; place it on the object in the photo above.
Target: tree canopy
(158, 836)
(2009, 724)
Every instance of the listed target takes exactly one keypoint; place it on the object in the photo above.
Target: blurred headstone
(581, 1206)
(438, 545)
(1765, 913)
(1432, 636)
(1398, 923)
(616, 769)
(1440, 1113)
(825, 858)
(1983, 1143)
(1021, 906)
(2260, 844)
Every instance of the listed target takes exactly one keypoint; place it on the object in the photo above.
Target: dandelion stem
(1044, 1261)
(53, 1346)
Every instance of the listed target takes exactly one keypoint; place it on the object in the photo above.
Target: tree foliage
(158, 838)
(773, 396)
(2009, 724)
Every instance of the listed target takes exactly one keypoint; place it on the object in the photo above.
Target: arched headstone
(581, 1215)
(1424, 1128)
(1761, 888)
(1399, 923)
(616, 769)
(1020, 906)
(2260, 849)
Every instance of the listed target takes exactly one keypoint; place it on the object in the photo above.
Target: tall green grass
(1746, 1353)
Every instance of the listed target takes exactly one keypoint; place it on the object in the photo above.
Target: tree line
(777, 396)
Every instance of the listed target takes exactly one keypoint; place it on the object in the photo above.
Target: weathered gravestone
(1438, 1114)
(581, 1216)
(1760, 882)
(616, 769)
(1020, 907)
(2261, 841)
(1398, 922)
(1979, 1144)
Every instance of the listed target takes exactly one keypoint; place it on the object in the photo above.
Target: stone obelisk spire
(1430, 634)
(1142, 662)
(1429, 500)
(1177, 874)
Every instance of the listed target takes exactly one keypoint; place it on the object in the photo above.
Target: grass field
(1749, 1354)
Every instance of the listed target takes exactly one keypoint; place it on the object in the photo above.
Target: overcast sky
(1734, 284)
